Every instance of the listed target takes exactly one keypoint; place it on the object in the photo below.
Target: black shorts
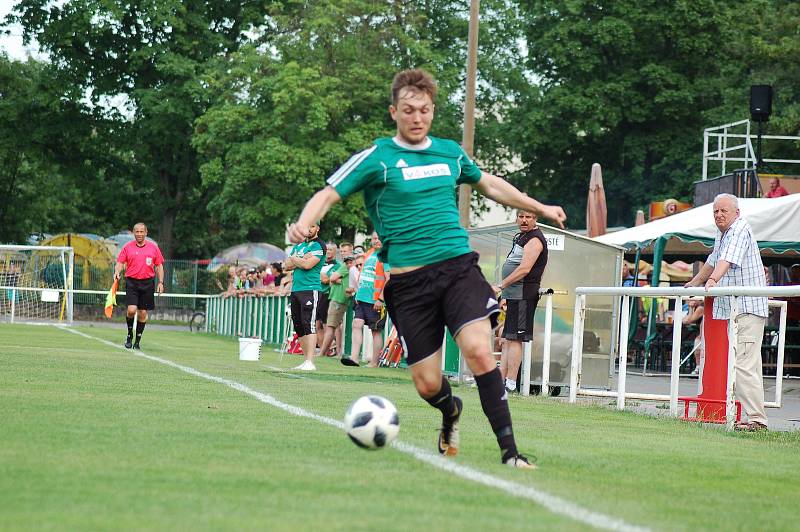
(519, 319)
(304, 311)
(451, 293)
(140, 293)
(322, 307)
(375, 320)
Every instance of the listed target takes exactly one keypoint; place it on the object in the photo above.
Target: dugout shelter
(573, 260)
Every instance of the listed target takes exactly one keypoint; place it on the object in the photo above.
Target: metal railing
(735, 145)
(678, 294)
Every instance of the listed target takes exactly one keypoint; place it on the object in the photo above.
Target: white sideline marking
(549, 502)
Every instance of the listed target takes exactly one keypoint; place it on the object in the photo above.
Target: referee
(142, 260)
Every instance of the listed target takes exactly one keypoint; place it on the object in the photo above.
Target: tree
(152, 55)
(291, 110)
(46, 166)
(628, 84)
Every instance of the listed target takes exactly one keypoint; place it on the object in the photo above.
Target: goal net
(36, 283)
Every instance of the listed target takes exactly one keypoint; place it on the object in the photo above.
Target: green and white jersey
(308, 279)
(410, 195)
(328, 270)
(366, 280)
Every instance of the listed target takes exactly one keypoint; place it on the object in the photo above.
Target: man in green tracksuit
(409, 184)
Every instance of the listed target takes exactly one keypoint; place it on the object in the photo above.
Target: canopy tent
(248, 254)
(689, 235)
(91, 251)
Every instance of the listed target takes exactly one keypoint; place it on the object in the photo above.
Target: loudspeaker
(760, 102)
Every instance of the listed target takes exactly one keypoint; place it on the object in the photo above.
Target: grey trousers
(749, 377)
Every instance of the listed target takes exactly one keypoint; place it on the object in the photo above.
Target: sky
(12, 45)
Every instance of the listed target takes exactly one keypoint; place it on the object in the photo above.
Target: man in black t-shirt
(522, 275)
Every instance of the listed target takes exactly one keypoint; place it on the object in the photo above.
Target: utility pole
(468, 139)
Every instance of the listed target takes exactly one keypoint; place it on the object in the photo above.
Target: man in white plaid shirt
(736, 261)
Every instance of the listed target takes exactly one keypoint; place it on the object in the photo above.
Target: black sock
(443, 401)
(139, 330)
(130, 326)
(495, 405)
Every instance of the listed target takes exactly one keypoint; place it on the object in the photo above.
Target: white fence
(679, 294)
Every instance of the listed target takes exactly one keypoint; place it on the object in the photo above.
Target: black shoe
(348, 361)
(136, 345)
(448, 434)
(128, 342)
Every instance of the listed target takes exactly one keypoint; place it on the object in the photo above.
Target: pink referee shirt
(141, 261)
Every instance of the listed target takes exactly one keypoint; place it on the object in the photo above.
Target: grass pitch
(93, 437)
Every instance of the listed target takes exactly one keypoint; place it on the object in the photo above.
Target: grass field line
(547, 501)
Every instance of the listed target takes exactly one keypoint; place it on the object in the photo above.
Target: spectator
(230, 285)
(331, 265)
(278, 273)
(736, 261)
(522, 275)
(339, 298)
(355, 275)
(695, 316)
(369, 306)
(241, 282)
(267, 278)
(775, 189)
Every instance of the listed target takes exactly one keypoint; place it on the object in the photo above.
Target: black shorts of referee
(140, 293)
(304, 304)
(451, 293)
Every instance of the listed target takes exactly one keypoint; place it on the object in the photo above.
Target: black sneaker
(448, 434)
(521, 462)
(347, 361)
(128, 342)
(136, 346)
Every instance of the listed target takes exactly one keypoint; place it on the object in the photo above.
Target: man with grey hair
(736, 261)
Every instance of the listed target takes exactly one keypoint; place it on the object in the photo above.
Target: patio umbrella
(639, 218)
(596, 212)
(247, 254)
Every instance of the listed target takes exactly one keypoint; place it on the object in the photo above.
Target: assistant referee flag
(111, 298)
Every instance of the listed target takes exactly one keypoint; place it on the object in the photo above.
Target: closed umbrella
(596, 212)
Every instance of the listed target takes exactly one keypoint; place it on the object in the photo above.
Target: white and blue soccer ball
(372, 422)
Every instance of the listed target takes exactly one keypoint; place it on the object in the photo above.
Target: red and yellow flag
(111, 299)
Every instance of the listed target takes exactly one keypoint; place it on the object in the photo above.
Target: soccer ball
(372, 422)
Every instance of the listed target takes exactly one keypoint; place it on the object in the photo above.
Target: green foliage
(626, 84)
(215, 121)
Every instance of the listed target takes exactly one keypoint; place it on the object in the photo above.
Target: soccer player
(142, 260)
(305, 261)
(409, 185)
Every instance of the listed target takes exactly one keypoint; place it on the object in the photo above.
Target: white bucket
(249, 348)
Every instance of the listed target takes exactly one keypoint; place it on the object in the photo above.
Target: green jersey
(328, 269)
(308, 279)
(337, 289)
(410, 195)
